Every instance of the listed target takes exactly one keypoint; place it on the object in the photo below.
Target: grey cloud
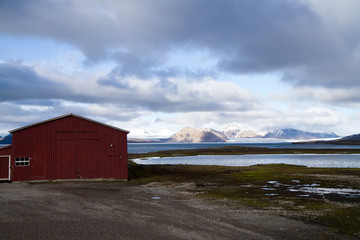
(339, 72)
(19, 82)
(164, 95)
(114, 79)
(145, 67)
(13, 116)
(246, 36)
(134, 65)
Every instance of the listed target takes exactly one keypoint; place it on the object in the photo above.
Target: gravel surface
(123, 210)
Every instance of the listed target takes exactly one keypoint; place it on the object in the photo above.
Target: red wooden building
(66, 147)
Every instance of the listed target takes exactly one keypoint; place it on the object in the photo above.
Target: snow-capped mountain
(233, 132)
(291, 133)
(196, 135)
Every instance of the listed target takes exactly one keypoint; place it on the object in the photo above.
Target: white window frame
(9, 175)
(22, 161)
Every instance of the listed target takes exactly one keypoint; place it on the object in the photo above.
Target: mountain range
(196, 135)
(233, 132)
(290, 133)
(192, 134)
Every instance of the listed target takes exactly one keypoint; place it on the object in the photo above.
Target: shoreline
(239, 150)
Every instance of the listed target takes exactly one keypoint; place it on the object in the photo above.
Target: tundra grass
(274, 187)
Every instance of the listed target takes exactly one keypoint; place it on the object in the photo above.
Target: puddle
(304, 195)
(305, 190)
(322, 191)
(268, 189)
(247, 185)
(271, 194)
(155, 198)
(274, 183)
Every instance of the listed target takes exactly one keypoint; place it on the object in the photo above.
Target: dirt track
(122, 210)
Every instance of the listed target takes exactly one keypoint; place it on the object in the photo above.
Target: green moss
(345, 220)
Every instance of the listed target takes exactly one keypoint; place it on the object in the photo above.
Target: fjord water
(153, 147)
(309, 160)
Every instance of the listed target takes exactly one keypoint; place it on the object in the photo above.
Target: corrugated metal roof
(64, 116)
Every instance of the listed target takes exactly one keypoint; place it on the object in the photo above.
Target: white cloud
(331, 97)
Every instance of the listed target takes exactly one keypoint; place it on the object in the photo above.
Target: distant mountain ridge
(233, 132)
(296, 134)
(6, 140)
(355, 137)
(348, 140)
(197, 135)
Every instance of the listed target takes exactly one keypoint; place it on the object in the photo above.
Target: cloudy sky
(155, 66)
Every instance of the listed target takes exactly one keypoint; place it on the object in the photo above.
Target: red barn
(66, 147)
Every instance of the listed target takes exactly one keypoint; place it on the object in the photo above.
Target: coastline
(239, 150)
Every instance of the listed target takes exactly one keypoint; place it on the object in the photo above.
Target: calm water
(309, 160)
(153, 147)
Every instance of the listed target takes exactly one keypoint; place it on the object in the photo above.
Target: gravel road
(123, 210)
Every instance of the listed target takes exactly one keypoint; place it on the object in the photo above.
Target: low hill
(348, 140)
(352, 138)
